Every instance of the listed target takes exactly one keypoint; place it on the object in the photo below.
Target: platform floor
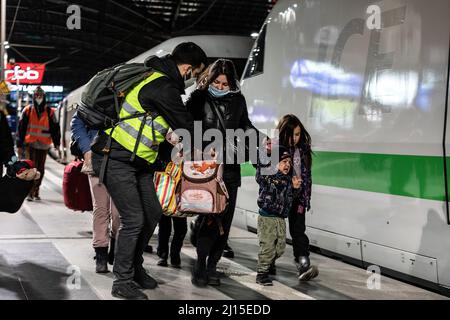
(46, 253)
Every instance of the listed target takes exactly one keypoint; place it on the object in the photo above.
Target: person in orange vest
(38, 128)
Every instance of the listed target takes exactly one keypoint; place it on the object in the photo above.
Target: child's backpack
(202, 189)
(76, 189)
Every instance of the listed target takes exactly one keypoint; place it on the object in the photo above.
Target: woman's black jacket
(233, 109)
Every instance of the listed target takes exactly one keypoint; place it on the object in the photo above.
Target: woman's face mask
(39, 100)
(216, 92)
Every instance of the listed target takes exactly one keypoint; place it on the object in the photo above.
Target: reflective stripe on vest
(154, 130)
(38, 128)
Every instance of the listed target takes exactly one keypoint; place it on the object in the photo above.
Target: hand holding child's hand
(296, 181)
(268, 145)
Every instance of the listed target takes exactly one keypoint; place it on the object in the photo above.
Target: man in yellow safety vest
(133, 148)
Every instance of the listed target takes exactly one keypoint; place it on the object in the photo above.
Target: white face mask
(39, 100)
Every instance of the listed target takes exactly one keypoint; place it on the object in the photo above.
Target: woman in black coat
(218, 95)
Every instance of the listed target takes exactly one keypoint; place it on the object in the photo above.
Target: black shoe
(143, 279)
(306, 272)
(175, 261)
(199, 276)
(148, 249)
(309, 274)
(101, 260)
(273, 269)
(112, 247)
(162, 262)
(263, 279)
(213, 278)
(228, 252)
(128, 290)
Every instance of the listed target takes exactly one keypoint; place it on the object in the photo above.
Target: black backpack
(104, 93)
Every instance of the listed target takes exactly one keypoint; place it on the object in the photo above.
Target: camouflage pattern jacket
(276, 193)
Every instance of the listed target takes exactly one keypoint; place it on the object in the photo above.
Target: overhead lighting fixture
(254, 35)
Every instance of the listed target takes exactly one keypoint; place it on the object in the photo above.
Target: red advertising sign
(26, 73)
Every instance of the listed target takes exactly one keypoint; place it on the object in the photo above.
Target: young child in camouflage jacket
(276, 194)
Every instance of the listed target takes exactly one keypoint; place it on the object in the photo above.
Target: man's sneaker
(162, 263)
(263, 279)
(273, 269)
(309, 274)
(142, 278)
(228, 252)
(128, 290)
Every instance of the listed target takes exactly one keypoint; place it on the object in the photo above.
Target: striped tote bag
(166, 186)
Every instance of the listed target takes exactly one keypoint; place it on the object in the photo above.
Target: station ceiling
(113, 31)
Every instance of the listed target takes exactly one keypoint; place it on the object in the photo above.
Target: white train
(236, 48)
(370, 83)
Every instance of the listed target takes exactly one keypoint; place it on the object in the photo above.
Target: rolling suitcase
(76, 190)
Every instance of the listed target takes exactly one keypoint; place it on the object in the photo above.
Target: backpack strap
(107, 149)
(138, 138)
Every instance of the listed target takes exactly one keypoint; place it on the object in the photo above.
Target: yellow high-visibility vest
(154, 130)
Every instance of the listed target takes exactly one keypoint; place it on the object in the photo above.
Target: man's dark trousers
(134, 195)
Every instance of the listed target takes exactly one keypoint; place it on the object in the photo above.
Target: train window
(255, 63)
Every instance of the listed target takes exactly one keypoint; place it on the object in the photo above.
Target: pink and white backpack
(202, 188)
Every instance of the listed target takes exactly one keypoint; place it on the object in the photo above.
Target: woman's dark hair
(220, 66)
(286, 128)
(189, 53)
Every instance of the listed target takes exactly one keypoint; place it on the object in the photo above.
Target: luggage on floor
(76, 190)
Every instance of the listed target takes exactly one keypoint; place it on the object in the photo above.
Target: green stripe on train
(403, 175)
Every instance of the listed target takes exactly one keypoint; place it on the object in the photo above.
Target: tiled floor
(46, 253)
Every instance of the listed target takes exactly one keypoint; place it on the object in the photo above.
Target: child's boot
(263, 278)
(306, 272)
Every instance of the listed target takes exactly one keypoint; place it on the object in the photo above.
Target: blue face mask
(216, 92)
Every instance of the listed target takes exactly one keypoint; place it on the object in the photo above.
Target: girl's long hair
(218, 67)
(286, 127)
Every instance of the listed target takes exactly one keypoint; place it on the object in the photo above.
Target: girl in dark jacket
(218, 94)
(293, 135)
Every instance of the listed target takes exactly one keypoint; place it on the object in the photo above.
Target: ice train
(370, 82)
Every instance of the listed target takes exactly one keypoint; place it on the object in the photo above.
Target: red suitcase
(76, 190)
